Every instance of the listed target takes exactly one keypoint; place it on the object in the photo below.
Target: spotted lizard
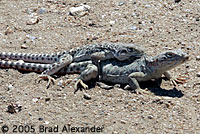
(130, 72)
(101, 51)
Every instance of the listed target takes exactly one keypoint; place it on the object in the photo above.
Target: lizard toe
(46, 77)
(80, 85)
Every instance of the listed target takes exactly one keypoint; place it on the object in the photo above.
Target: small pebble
(198, 74)
(35, 100)
(10, 87)
(11, 109)
(150, 117)
(112, 22)
(24, 46)
(40, 119)
(191, 70)
(79, 11)
(197, 57)
(61, 83)
(176, 1)
(133, 28)
(47, 99)
(121, 3)
(123, 121)
(135, 15)
(32, 38)
(197, 19)
(9, 30)
(86, 96)
(46, 122)
(42, 11)
(33, 19)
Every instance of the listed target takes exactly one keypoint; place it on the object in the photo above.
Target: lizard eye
(170, 55)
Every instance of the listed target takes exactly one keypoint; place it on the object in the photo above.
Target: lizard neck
(153, 67)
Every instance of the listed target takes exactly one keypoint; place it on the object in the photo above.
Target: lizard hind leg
(89, 73)
(64, 60)
(133, 83)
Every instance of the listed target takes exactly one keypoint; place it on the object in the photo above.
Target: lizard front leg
(89, 73)
(64, 60)
(133, 83)
(169, 77)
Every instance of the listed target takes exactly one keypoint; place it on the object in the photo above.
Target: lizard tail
(35, 58)
(33, 67)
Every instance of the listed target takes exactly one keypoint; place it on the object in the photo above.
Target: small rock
(121, 3)
(86, 96)
(33, 19)
(133, 28)
(11, 109)
(79, 11)
(176, 1)
(189, 47)
(14, 108)
(32, 38)
(41, 11)
(150, 117)
(35, 100)
(191, 70)
(10, 87)
(198, 74)
(47, 99)
(24, 46)
(61, 83)
(112, 22)
(198, 18)
(123, 121)
(147, 6)
(9, 30)
(197, 57)
(135, 15)
(40, 119)
(46, 122)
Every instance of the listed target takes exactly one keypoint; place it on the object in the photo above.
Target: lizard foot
(140, 91)
(181, 80)
(136, 91)
(80, 85)
(46, 77)
(104, 86)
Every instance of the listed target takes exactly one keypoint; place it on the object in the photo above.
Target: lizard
(130, 72)
(100, 51)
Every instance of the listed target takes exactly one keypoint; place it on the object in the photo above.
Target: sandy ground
(155, 25)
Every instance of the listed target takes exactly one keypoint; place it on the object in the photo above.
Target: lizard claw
(46, 77)
(181, 80)
(140, 91)
(79, 85)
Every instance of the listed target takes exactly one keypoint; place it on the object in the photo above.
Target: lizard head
(168, 60)
(125, 51)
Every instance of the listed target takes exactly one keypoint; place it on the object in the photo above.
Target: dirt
(155, 25)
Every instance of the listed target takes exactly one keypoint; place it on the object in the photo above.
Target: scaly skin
(130, 72)
(58, 61)
(119, 51)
